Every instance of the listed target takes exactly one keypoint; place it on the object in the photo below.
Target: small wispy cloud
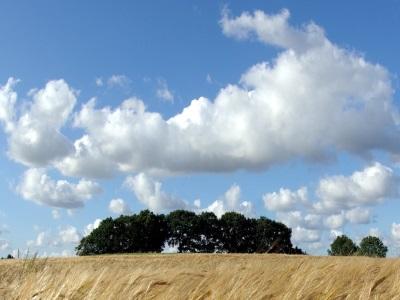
(163, 92)
(116, 80)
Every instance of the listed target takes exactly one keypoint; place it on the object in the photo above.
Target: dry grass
(200, 276)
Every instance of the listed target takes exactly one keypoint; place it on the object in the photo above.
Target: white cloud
(41, 240)
(374, 232)
(367, 187)
(291, 218)
(209, 79)
(395, 231)
(38, 187)
(359, 215)
(87, 161)
(4, 245)
(303, 235)
(63, 253)
(55, 213)
(69, 235)
(335, 221)
(8, 97)
(273, 30)
(118, 80)
(149, 192)
(342, 102)
(119, 207)
(99, 81)
(92, 226)
(231, 201)
(163, 92)
(285, 199)
(35, 139)
(335, 233)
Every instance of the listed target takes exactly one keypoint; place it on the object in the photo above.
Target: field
(201, 276)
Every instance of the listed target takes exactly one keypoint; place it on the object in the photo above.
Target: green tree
(145, 232)
(148, 232)
(99, 241)
(372, 246)
(237, 233)
(183, 230)
(209, 233)
(342, 246)
(273, 237)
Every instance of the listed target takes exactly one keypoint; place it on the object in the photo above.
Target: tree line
(369, 246)
(188, 232)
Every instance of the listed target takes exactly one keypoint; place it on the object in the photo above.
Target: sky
(269, 108)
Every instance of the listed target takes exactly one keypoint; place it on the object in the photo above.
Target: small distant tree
(9, 256)
(372, 246)
(342, 246)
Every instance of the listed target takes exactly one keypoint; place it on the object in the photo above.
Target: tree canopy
(342, 246)
(372, 246)
(189, 232)
(369, 246)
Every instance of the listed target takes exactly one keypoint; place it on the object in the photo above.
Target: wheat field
(200, 276)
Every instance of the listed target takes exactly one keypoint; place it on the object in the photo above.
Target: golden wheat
(201, 276)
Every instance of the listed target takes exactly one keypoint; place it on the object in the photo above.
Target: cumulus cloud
(42, 239)
(92, 226)
(8, 97)
(359, 215)
(4, 245)
(285, 199)
(366, 187)
(35, 139)
(273, 30)
(313, 100)
(374, 232)
(149, 192)
(335, 221)
(298, 218)
(119, 207)
(163, 92)
(69, 235)
(395, 231)
(38, 187)
(231, 201)
(303, 235)
(334, 234)
(340, 200)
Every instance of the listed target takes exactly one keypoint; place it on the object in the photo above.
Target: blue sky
(298, 121)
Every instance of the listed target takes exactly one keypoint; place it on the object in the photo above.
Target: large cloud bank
(314, 99)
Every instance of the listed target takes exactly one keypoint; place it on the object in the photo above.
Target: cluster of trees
(369, 246)
(9, 256)
(189, 232)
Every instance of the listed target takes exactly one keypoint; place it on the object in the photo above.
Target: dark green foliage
(372, 246)
(273, 237)
(148, 232)
(183, 230)
(145, 232)
(209, 233)
(342, 246)
(237, 233)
